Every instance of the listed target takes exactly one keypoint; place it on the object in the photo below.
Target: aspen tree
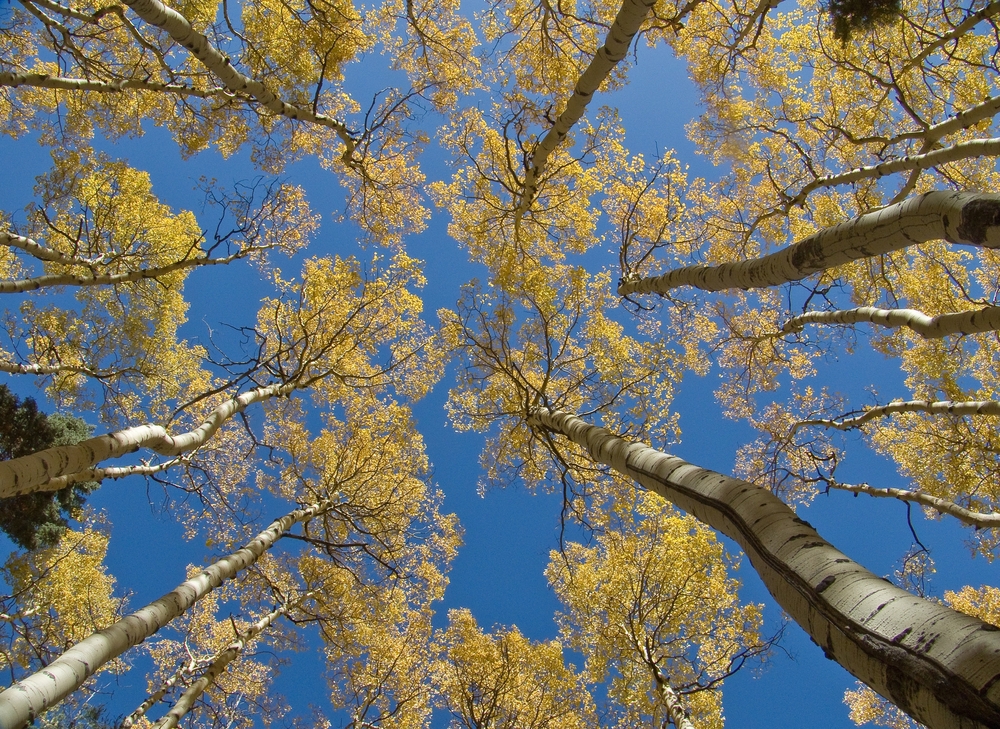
(23, 701)
(893, 641)
(218, 671)
(59, 595)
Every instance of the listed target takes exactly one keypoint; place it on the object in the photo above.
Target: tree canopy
(264, 375)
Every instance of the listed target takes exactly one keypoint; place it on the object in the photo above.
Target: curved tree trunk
(26, 699)
(986, 319)
(958, 217)
(938, 665)
(28, 473)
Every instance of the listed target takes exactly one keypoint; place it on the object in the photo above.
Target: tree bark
(958, 217)
(26, 699)
(18, 286)
(27, 473)
(186, 702)
(671, 702)
(938, 665)
(47, 81)
(177, 26)
(986, 319)
(962, 150)
(937, 407)
(627, 23)
(977, 519)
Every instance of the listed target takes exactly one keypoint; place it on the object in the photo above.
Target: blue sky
(508, 534)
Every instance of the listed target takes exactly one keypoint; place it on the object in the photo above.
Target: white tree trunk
(36, 369)
(963, 150)
(986, 319)
(627, 23)
(27, 473)
(18, 286)
(938, 665)
(958, 217)
(26, 699)
(671, 702)
(177, 26)
(978, 519)
(186, 702)
(937, 407)
(46, 81)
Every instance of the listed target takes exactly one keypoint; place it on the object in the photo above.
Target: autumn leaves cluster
(597, 291)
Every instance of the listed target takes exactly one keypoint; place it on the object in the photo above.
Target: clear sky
(508, 535)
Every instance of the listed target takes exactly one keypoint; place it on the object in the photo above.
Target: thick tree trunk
(939, 666)
(28, 473)
(958, 217)
(26, 699)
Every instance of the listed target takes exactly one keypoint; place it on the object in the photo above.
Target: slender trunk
(37, 369)
(39, 251)
(112, 472)
(154, 698)
(958, 217)
(986, 319)
(186, 702)
(47, 81)
(627, 23)
(963, 150)
(177, 26)
(938, 407)
(977, 519)
(676, 713)
(671, 701)
(938, 665)
(18, 286)
(26, 699)
(27, 473)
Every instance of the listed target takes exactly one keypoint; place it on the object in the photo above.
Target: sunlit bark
(182, 707)
(157, 14)
(627, 23)
(47, 81)
(958, 217)
(986, 319)
(970, 407)
(26, 699)
(977, 519)
(939, 666)
(28, 473)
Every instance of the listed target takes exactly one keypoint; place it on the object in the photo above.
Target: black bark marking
(808, 256)
(827, 581)
(977, 217)
(902, 635)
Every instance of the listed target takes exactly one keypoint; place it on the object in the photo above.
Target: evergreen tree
(38, 519)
